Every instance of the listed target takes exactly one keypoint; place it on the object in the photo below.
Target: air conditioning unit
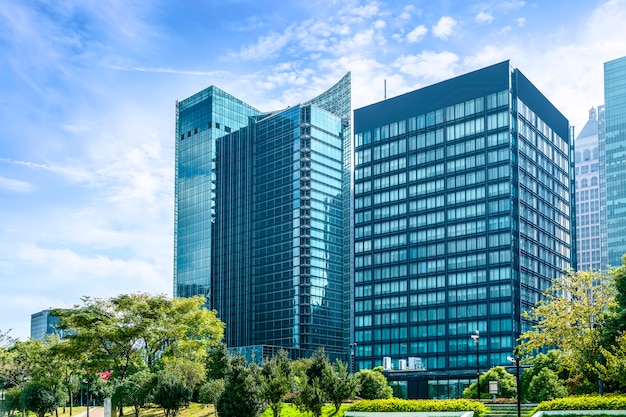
(387, 363)
(415, 364)
(402, 364)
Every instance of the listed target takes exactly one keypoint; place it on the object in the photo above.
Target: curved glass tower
(263, 218)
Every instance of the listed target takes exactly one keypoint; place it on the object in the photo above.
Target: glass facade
(42, 324)
(463, 216)
(200, 120)
(615, 158)
(588, 225)
(278, 232)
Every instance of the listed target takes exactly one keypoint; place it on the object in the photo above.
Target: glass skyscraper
(463, 216)
(263, 220)
(614, 143)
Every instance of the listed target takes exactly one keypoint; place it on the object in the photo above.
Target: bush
(172, 393)
(508, 386)
(241, 395)
(39, 399)
(398, 405)
(584, 402)
(546, 386)
(372, 385)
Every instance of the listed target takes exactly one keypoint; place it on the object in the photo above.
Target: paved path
(93, 412)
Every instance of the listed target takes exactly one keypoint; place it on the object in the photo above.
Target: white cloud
(416, 34)
(17, 186)
(428, 66)
(521, 22)
(484, 17)
(266, 47)
(380, 24)
(444, 27)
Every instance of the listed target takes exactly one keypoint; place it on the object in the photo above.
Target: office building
(463, 216)
(587, 162)
(42, 324)
(613, 144)
(263, 219)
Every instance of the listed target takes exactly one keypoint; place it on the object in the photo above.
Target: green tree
(241, 395)
(311, 397)
(338, 384)
(613, 367)
(551, 360)
(616, 324)
(135, 390)
(372, 385)
(210, 391)
(546, 386)
(508, 384)
(126, 333)
(568, 320)
(171, 393)
(217, 361)
(276, 381)
(12, 400)
(39, 399)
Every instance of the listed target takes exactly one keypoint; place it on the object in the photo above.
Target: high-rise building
(588, 225)
(614, 144)
(463, 217)
(263, 218)
(42, 324)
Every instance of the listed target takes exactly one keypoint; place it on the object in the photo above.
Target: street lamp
(86, 381)
(515, 360)
(475, 337)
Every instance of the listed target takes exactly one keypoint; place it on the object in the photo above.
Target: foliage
(193, 373)
(39, 399)
(616, 324)
(276, 381)
(290, 410)
(127, 332)
(12, 400)
(568, 319)
(613, 367)
(584, 402)
(508, 384)
(241, 395)
(338, 384)
(135, 390)
(398, 405)
(546, 386)
(372, 385)
(312, 396)
(172, 393)
(210, 391)
(216, 361)
(550, 360)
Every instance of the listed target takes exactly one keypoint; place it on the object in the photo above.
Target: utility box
(494, 387)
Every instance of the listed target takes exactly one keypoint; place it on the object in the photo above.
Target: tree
(217, 361)
(508, 384)
(372, 385)
(312, 396)
(616, 324)
(276, 381)
(127, 333)
(39, 399)
(241, 395)
(6, 341)
(135, 390)
(613, 367)
(338, 384)
(12, 400)
(210, 391)
(546, 386)
(171, 393)
(551, 360)
(569, 319)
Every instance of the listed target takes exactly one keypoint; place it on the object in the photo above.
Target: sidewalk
(93, 412)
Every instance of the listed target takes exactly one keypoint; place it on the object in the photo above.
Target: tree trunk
(71, 401)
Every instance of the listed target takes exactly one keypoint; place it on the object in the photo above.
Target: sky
(88, 91)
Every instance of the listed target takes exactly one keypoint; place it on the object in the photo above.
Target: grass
(290, 410)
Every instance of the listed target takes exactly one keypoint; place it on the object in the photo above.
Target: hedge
(584, 402)
(398, 405)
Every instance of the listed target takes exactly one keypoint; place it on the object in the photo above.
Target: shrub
(546, 386)
(372, 385)
(584, 402)
(508, 386)
(398, 405)
(172, 393)
(39, 399)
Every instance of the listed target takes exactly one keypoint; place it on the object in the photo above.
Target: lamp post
(515, 360)
(475, 337)
(86, 381)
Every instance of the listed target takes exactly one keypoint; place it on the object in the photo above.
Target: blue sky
(88, 91)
